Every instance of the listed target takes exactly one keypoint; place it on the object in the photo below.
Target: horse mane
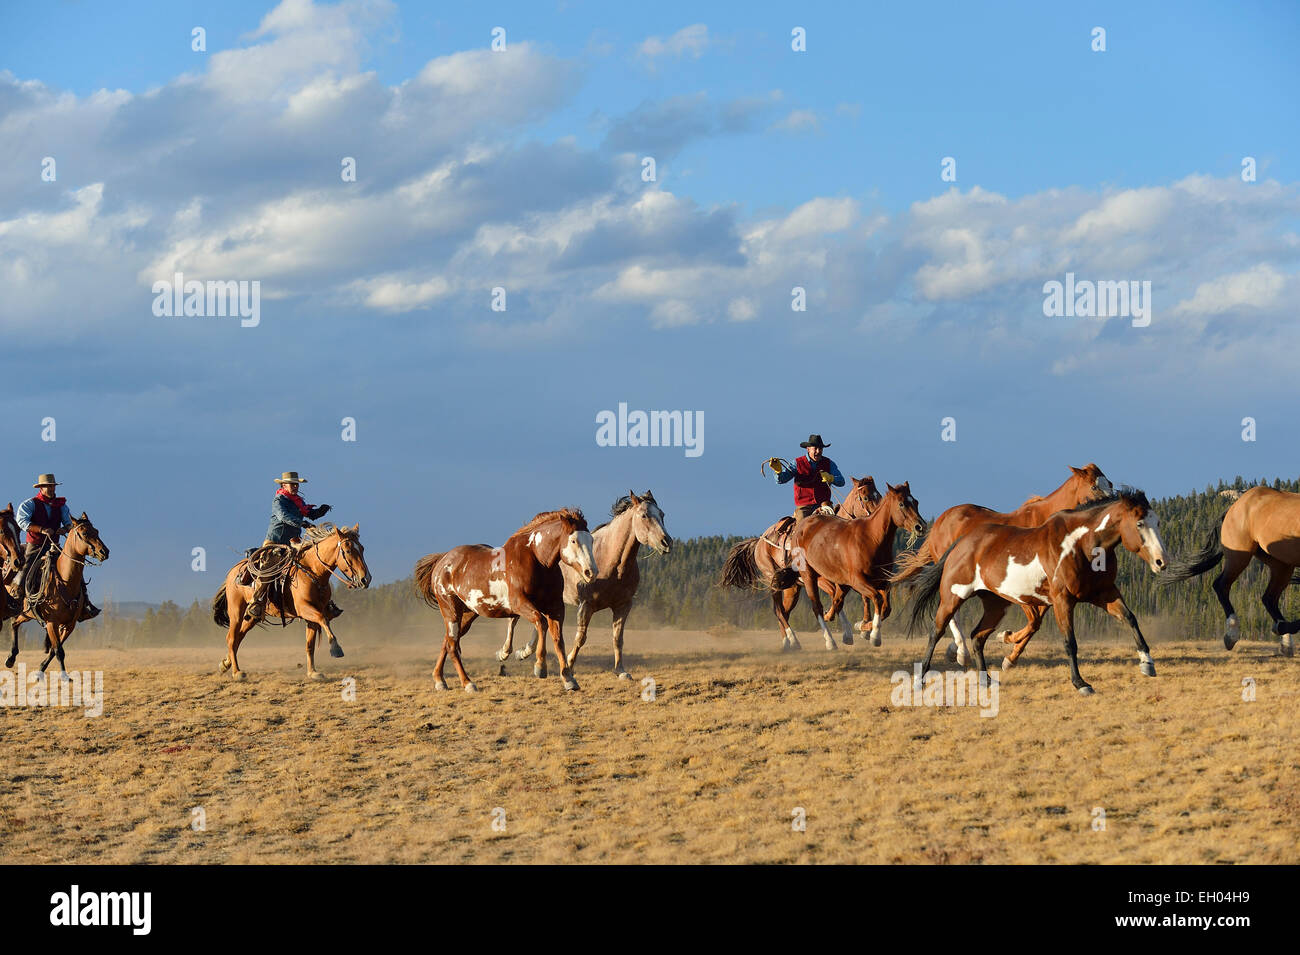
(1036, 499)
(1130, 495)
(316, 534)
(571, 514)
(624, 503)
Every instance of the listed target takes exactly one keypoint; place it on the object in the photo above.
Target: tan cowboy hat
(290, 477)
(45, 480)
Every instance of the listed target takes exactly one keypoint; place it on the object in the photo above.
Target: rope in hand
(789, 466)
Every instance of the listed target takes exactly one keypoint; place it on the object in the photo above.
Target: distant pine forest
(680, 592)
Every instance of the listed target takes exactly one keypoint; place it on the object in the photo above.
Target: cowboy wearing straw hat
(44, 519)
(289, 514)
(813, 475)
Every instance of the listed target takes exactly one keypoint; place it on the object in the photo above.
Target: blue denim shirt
(286, 522)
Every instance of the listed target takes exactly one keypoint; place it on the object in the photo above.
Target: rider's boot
(88, 610)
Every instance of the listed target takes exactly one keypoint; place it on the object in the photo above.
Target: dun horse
(1067, 560)
(60, 601)
(637, 521)
(521, 578)
(1262, 524)
(326, 551)
(1084, 484)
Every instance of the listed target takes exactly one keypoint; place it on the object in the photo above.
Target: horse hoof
(225, 665)
(1007, 663)
(539, 672)
(10, 662)
(470, 687)
(860, 626)
(1148, 669)
(63, 677)
(502, 670)
(963, 658)
(1228, 642)
(624, 675)
(336, 650)
(875, 637)
(240, 675)
(440, 684)
(503, 655)
(1288, 648)
(570, 683)
(1086, 690)
(830, 644)
(847, 640)
(521, 655)
(315, 675)
(952, 653)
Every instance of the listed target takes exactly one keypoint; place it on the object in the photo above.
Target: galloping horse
(1052, 565)
(325, 551)
(756, 561)
(1264, 524)
(62, 595)
(11, 551)
(521, 578)
(1084, 484)
(637, 521)
(854, 554)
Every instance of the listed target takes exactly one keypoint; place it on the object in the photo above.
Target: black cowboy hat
(814, 441)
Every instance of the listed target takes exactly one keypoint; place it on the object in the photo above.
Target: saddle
(268, 556)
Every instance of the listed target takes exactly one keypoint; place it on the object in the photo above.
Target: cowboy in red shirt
(813, 475)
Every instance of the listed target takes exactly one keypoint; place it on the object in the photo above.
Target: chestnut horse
(752, 563)
(1084, 484)
(521, 578)
(62, 594)
(11, 551)
(637, 521)
(855, 554)
(1068, 559)
(325, 551)
(1263, 524)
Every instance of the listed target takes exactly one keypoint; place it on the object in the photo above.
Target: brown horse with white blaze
(1084, 484)
(325, 551)
(1067, 560)
(1263, 524)
(638, 522)
(521, 578)
(754, 562)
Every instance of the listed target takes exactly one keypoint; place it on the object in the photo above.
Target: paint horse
(61, 600)
(1084, 484)
(754, 562)
(1069, 559)
(1262, 524)
(637, 522)
(521, 578)
(325, 551)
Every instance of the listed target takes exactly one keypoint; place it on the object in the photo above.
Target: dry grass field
(711, 770)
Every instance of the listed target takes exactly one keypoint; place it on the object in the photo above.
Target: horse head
(11, 538)
(83, 539)
(647, 521)
(1097, 484)
(904, 510)
(862, 500)
(349, 557)
(1139, 529)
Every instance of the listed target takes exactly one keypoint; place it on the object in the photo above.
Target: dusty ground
(711, 770)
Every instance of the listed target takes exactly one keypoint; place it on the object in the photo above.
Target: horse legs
(838, 592)
(814, 594)
(313, 631)
(784, 601)
(994, 608)
(556, 626)
(13, 653)
(620, 618)
(948, 605)
(584, 618)
(508, 647)
(1034, 614)
(1234, 562)
(54, 643)
(1116, 607)
(1279, 577)
(1063, 605)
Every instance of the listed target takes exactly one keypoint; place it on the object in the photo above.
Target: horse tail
(911, 563)
(924, 593)
(220, 613)
(1185, 568)
(424, 577)
(740, 569)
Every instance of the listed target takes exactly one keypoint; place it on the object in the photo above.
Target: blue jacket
(286, 522)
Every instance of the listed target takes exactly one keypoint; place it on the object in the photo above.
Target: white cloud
(689, 41)
(1258, 287)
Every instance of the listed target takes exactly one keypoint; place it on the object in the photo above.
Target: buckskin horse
(325, 551)
(62, 593)
(1084, 484)
(521, 578)
(1263, 524)
(1053, 565)
(637, 521)
(756, 561)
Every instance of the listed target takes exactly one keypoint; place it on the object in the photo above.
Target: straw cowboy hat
(290, 477)
(46, 480)
(814, 441)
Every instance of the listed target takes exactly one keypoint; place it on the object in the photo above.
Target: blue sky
(522, 170)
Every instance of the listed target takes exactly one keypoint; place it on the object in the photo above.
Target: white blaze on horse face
(1150, 535)
(577, 554)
